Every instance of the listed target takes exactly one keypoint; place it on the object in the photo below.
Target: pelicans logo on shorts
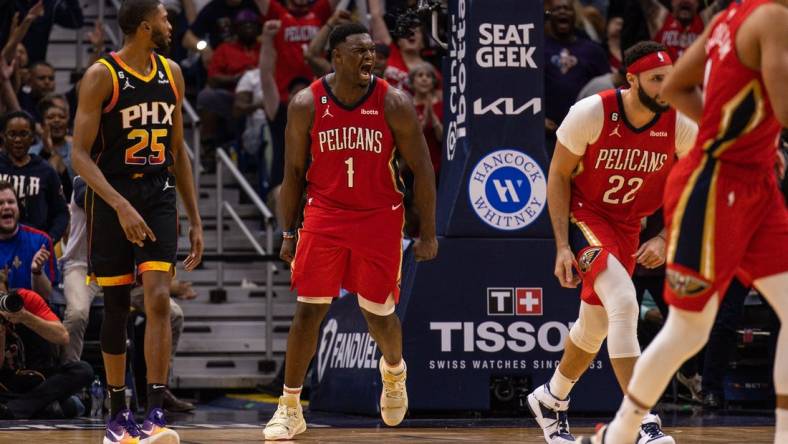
(587, 258)
(507, 189)
(685, 285)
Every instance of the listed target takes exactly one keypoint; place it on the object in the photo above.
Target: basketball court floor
(238, 420)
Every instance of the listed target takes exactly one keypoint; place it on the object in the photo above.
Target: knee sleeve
(591, 327)
(682, 336)
(617, 293)
(117, 301)
(775, 290)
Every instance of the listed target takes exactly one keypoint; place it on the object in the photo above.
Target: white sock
(626, 424)
(781, 426)
(396, 369)
(560, 385)
(289, 392)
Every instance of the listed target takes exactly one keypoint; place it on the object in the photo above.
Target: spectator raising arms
(316, 52)
(55, 143)
(37, 185)
(300, 23)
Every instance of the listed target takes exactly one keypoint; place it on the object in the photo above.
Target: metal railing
(223, 161)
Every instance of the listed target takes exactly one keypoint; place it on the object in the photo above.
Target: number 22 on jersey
(146, 139)
(617, 181)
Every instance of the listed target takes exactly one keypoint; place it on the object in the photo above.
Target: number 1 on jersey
(350, 172)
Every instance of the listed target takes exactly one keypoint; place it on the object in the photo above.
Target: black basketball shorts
(112, 259)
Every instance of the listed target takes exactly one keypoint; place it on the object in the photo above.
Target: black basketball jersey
(136, 122)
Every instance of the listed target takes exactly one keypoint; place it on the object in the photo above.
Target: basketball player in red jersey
(678, 27)
(612, 158)
(350, 124)
(724, 213)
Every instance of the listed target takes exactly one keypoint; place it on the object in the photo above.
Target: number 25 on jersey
(146, 139)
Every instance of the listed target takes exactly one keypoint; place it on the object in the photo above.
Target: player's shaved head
(133, 12)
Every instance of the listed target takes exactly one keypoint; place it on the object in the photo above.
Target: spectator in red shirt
(229, 62)
(301, 21)
(423, 81)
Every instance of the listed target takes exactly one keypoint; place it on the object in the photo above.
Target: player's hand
(39, 259)
(564, 271)
(652, 253)
(195, 255)
(137, 231)
(781, 164)
(287, 252)
(425, 248)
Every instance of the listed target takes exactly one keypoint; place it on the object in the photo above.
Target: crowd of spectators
(243, 61)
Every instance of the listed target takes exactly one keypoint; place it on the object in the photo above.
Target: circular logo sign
(507, 189)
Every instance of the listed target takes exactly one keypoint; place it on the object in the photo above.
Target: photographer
(31, 381)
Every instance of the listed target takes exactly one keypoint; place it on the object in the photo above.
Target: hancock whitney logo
(507, 189)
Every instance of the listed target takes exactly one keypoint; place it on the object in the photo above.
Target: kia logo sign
(506, 106)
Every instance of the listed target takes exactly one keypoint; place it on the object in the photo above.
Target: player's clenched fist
(564, 262)
(425, 249)
(287, 251)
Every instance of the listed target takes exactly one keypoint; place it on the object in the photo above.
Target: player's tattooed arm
(681, 87)
(300, 113)
(184, 180)
(409, 140)
(558, 194)
(96, 88)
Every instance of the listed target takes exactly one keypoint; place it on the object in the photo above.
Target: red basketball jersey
(677, 37)
(353, 165)
(622, 174)
(738, 123)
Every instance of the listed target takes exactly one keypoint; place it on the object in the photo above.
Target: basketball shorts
(592, 238)
(723, 221)
(113, 260)
(359, 251)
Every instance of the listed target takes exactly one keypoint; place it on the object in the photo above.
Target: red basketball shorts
(360, 251)
(722, 220)
(593, 237)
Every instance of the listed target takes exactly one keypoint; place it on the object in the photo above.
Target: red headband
(651, 61)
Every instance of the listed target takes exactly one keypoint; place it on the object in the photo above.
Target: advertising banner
(481, 326)
(493, 174)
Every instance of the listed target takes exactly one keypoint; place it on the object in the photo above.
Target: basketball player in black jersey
(128, 137)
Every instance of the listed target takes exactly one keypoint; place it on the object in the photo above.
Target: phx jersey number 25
(144, 115)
